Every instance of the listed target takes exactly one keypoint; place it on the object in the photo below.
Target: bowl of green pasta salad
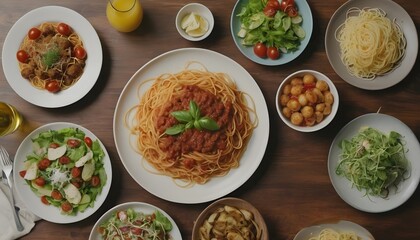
(373, 163)
(62, 172)
(135, 220)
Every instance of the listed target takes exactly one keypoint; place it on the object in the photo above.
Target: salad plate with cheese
(62, 172)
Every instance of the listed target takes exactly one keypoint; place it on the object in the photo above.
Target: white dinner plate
(91, 43)
(358, 199)
(32, 201)
(248, 51)
(393, 11)
(164, 186)
(138, 207)
(339, 226)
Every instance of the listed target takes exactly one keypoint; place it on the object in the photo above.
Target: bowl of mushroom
(307, 100)
(230, 218)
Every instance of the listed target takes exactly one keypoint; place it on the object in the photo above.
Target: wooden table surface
(291, 187)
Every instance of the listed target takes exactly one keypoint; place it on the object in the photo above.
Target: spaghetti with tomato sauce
(194, 155)
(193, 139)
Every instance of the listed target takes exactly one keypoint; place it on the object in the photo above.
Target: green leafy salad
(374, 161)
(65, 169)
(272, 24)
(131, 224)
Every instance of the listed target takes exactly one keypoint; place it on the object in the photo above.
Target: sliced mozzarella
(31, 171)
(55, 153)
(72, 194)
(84, 159)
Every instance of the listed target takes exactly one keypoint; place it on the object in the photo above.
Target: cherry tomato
(269, 11)
(77, 182)
(64, 160)
(291, 11)
(88, 141)
(260, 50)
(80, 52)
(56, 194)
(64, 29)
(95, 181)
(54, 145)
(40, 181)
(22, 173)
(73, 143)
(283, 5)
(22, 56)
(34, 33)
(52, 86)
(44, 200)
(66, 206)
(274, 4)
(273, 53)
(76, 171)
(44, 163)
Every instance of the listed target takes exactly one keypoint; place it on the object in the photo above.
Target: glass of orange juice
(124, 15)
(10, 119)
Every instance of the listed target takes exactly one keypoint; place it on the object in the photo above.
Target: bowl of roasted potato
(307, 100)
(230, 218)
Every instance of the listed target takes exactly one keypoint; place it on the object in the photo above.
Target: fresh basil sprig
(191, 119)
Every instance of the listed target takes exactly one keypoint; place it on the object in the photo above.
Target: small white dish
(327, 119)
(198, 9)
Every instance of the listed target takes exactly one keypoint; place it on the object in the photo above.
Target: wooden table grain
(291, 187)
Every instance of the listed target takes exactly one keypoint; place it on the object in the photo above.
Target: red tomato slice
(269, 11)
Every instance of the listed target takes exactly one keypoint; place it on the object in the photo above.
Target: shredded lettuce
(373, 161)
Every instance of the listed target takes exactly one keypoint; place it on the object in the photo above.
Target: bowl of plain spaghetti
(334, 230)
(371, 44)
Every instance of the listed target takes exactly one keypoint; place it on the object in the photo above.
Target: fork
(7, 171)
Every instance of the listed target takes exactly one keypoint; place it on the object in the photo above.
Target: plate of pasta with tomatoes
(52, 56)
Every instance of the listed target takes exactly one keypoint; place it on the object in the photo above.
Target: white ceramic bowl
(199, 9)
(327, 119)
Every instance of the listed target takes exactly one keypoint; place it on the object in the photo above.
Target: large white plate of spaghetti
(50, 212)
(91, 43)
(393, 11)
(397, 195)
(333, 229)
(163, 186)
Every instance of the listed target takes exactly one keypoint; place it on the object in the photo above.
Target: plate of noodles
(48, 72)
(334, 230)
(353, 153)
(376, 62)
(188, 161)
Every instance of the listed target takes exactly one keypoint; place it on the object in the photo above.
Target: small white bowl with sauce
(194, 22)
